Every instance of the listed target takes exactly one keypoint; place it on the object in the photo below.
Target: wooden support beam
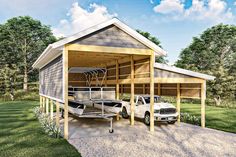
(152, 61)
(178, 101)
(47, 103)
(51, 109)
(40, 102)
(159, 89)
(144, 89)
(108, 49)
(132, 92)
(121, 89)
(57, 114)
(105, 77)
(157, 80)
(203, 98)
(117, 81)
(65, 88)
(117, 116)
(43, 110)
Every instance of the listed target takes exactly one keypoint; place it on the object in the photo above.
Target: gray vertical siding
(110, 36)
(51, 79)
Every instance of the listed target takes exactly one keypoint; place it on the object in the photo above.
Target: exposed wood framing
(40, 102)
(159, 89)
(117, 82)
(178, 101)
(57, 114)
(157, 80)
(105, 78)
(51, 109)
(47, 103)
(144, 89)
(152, 61)
(65, 88)
(203, 98)
(132, 92)
(178, 80)
(106, 49)
(122, 89)
(43, 110)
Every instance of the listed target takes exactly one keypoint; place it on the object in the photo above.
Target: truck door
(140, 107)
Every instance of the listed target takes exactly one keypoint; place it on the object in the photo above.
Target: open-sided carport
(130, 62)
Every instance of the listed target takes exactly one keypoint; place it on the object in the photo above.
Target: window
(157, 99)
(140, 101)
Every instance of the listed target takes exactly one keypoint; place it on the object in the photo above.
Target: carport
(129, 59)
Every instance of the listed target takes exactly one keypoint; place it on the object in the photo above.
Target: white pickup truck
(165, 112)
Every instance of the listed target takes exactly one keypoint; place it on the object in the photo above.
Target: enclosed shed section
(129, 62)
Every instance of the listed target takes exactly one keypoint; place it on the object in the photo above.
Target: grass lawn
(22, 136)
(216, 117)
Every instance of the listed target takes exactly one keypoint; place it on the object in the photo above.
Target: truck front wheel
(124, 113)
(147, 118)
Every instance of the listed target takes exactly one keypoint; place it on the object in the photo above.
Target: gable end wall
(110, 36)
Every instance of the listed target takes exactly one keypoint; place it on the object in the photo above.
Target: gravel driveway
(91, 138)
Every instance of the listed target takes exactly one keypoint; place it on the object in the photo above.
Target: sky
(173, 22)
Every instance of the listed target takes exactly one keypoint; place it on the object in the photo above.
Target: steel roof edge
(183, 71)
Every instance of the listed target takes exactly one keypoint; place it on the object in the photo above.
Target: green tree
(22, 39)
(214, 53)
(9, 76)
(160, 59)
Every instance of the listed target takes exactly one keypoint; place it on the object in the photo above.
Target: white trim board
(59, 45)
(183, 71)
(56, 99)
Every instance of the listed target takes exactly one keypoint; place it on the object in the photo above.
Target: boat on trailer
(94, 102)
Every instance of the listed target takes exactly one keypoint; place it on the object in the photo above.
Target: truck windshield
(156, 99)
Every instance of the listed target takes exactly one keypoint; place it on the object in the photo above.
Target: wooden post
(43, 110)
(152, 61)
(51, 109)
(178, 101)
(144, 89)
(65, 88)
(159, 89)
(121, 89)
(117, 81)
(203, 98)
(132, 92)
(106, 77)
(40, 102)
(57, 114)
(47, 103)
(117, 116)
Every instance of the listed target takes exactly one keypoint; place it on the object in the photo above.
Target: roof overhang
(57, 47)
(183, 71)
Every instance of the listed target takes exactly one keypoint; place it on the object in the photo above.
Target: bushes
(187, 118)
(225, 103)
(47, 124)
(31, 94)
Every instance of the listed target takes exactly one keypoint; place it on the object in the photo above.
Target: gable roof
(114, 21)
(183, 71)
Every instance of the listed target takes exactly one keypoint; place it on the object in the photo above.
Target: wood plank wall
(141, 70)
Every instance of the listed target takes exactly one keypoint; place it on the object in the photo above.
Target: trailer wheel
(124, 113)
(111, 130)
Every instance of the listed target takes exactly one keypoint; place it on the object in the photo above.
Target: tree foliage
(160, 59)
(214, 53)
(22, 39)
